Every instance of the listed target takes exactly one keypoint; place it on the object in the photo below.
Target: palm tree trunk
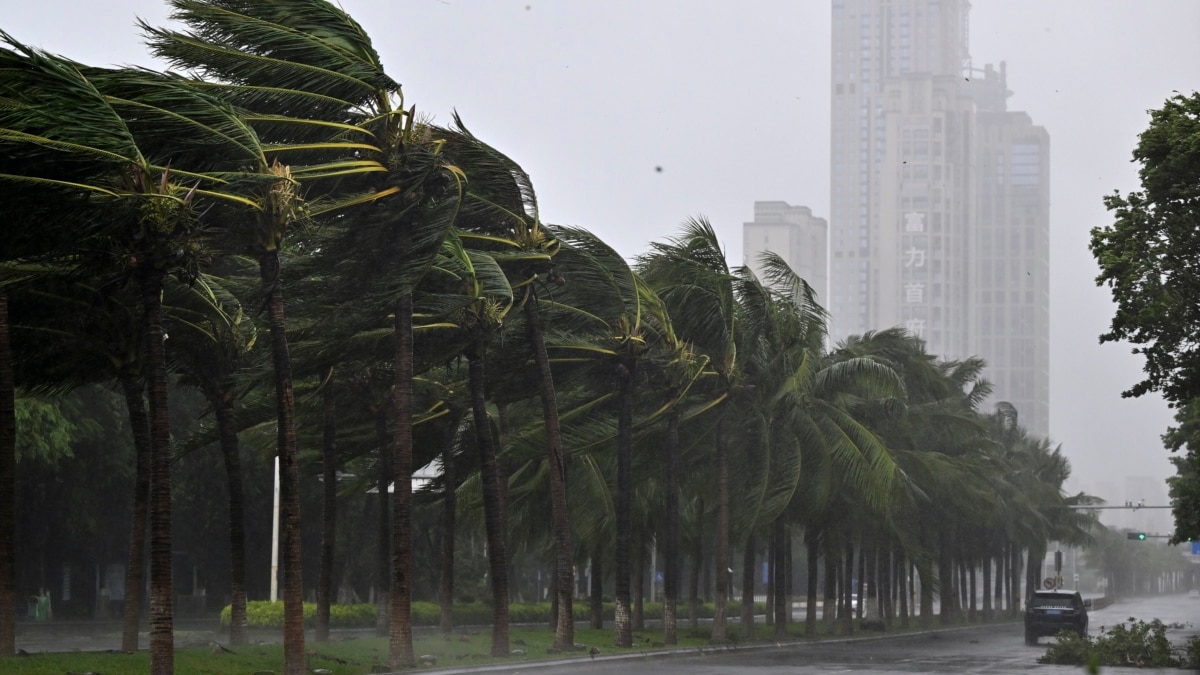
(694, 573)
(886, 586)
(829, 605)
(237, 520)
(638, 618)
(1001, 575)
(328, 506)
(294, 659)
(400, 634)
(596, 591)
(986, 561)
(780, 573)
(926, 610)
(383, 551)
(1015, 565)
(721, 567)
(812, 550)
(770, 585)
(1033, 570)
(748, 587)
(564, 633)
(789, 569)
(162, 629)
(866, 579)
(671, 532)
(844, 616)
(973, 606)
(8, 488)
(135, 404)
(948, 595)
(493, 517)
(622, 620)
(449, 504)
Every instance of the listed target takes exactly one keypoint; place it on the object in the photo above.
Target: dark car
(1050, 612)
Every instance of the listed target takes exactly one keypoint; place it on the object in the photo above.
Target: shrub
(264, 614)
(1191, 653)
(1068, 649)
(426, 613)
(1140, 644)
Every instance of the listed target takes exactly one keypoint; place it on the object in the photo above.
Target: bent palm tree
(312, 83)
(479, 297)
(692, 277)
(499, 215)
(615, 325)
(109, 134)
(211, 338)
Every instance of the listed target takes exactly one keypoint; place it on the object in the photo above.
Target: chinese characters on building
(913, 259)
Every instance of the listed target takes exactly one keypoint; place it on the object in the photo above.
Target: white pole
(275, 539)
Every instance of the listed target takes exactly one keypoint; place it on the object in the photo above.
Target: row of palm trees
(153, 216)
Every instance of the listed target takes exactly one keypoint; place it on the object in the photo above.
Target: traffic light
(1140, 536)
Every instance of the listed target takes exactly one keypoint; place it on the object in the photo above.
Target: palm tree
(211, 338)
(801, 412)
(693, 279)
(8, 482)
(1035, 474)
(487, 298)
(119, 128)
(499, 215)
(710, 304)
(935, 437)
(608, 320)
(311, 81)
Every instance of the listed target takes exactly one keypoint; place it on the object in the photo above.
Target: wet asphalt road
(994, 649)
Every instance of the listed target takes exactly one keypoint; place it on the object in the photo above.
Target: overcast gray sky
(731, 100)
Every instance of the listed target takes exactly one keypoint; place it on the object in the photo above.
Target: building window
(1026, 163)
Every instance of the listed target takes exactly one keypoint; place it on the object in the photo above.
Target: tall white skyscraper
(939, 210)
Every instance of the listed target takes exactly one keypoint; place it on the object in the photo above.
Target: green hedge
(263, 614)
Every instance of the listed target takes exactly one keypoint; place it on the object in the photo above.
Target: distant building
(793, 233)
(939, 205)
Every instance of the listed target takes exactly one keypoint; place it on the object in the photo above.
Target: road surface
(992, 649)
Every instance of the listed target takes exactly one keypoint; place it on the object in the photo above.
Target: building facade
(939, 204)
(793, 233)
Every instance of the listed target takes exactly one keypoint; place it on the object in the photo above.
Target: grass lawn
(362, 655)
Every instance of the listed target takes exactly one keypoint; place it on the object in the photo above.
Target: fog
(633, 115)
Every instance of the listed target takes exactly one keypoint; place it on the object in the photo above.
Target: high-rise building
(939, 205)
(1010, 261)
(795, 235)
